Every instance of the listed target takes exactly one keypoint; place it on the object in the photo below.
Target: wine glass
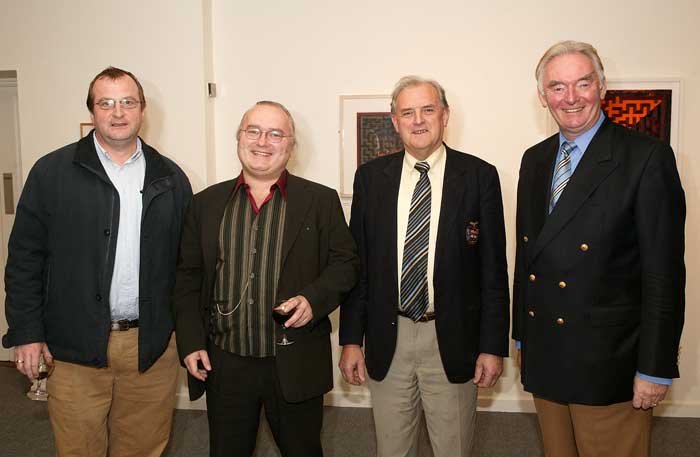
(281, 316)
(38, 391)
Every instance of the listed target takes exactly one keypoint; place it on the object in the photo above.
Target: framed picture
(366, 132)
(650, 106)
(85, 128)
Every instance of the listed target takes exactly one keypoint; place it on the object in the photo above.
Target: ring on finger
(19, 361)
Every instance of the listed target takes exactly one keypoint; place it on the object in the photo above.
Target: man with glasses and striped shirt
(265, 243)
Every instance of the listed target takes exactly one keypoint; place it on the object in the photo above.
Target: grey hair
(276, 105)
(410, 81)
(568, 47)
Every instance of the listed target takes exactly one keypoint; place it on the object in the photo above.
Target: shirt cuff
(517, 344)
(655, 380)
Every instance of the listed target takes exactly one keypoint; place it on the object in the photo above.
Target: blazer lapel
(212, 214)
(389, 198)
(595, 166)
(298, 204)
(541, 185)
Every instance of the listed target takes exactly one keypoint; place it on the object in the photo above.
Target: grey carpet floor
(347, 432)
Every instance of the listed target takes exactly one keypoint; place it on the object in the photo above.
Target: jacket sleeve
(353, 311)
(340, 272)
(190, 329)
(27, 272)
(660, 226)
(495, 312)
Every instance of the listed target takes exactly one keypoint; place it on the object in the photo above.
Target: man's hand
(191, 364)
(352, 364)
(647, 394)
(488, 369)
(27, 358)
(303, 314)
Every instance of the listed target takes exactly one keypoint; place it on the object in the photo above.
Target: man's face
(420, 120)
(572, 93)
(261, 158)
(117, 127)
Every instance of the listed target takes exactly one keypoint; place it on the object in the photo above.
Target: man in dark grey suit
(600, 278)
(432, 302)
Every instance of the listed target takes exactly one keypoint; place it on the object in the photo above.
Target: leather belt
(123, 325)
(427, 317)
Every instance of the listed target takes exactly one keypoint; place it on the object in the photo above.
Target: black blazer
(470, 278)
(319, 261)
(599, 283)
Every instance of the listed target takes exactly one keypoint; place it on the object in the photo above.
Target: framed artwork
(366, 132)
(85, 128)
(650, 106)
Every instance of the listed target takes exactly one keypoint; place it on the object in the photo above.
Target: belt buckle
(120, 325)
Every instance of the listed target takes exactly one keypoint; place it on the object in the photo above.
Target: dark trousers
(237, 387)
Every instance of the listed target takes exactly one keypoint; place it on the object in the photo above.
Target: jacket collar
(86, 155)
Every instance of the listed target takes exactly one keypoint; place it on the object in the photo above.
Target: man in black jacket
(89, 275)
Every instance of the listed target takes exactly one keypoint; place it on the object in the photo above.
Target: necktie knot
(567, 148)
(422, 167)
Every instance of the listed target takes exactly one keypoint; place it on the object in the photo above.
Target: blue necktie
(562, 174)
(414, 269)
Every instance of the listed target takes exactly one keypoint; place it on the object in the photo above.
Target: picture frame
(652, 95)
(85, 128)
(366, 132)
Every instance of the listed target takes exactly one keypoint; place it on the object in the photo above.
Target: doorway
(10, 177)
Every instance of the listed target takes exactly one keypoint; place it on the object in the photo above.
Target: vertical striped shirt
(248, 270)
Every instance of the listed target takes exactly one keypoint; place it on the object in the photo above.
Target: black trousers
(237, 387)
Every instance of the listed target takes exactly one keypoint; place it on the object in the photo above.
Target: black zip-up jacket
(62, 248)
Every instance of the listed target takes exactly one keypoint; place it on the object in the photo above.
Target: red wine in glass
(281, 317)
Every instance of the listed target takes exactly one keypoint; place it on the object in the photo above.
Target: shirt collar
(583, 140)
(281, 183)
(105, 155)
(433, 159)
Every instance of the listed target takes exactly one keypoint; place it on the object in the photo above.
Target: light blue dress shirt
(128, 180)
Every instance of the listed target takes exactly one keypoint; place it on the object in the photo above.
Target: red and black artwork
(376, 137)
(647, 111)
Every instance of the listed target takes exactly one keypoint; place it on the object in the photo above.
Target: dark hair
(114, 73)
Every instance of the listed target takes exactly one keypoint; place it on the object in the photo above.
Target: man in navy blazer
(599, 277)
(433, 358)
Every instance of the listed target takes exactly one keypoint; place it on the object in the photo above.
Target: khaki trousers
(571, 430)
(116, 408)
(416, 382)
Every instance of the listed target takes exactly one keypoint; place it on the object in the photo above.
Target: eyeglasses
(273, 136)
(110, 103)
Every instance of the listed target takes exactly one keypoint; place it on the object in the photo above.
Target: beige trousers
(571, 430)
(116, 408)
(416, 382)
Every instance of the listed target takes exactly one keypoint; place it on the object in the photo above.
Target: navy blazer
(599, 283)
(470, 276)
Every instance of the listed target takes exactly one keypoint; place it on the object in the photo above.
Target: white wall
(306, 53)
(58, 47)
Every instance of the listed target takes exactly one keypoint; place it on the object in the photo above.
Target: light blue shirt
(582, 141)
(128, 180)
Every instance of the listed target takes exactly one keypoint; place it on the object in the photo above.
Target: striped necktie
(414, 269)
(562, 173)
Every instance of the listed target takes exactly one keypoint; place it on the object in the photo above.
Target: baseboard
(485, 403)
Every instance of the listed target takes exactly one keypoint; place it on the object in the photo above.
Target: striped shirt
(248, 270)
